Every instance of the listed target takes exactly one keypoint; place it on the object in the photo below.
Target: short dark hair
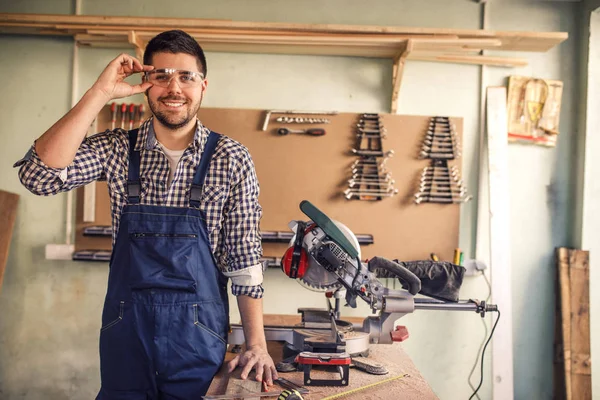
(175, 41)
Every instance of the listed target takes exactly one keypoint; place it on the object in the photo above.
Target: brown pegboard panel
(296, 167)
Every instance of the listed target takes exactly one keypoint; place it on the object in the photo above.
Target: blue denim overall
(166, 313)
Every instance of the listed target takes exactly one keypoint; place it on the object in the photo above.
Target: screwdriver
(141, 111)
(123, 113)
(312, 132)
(131, 115)
(113, 116)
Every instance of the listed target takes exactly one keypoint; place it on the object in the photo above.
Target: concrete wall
(50, 310)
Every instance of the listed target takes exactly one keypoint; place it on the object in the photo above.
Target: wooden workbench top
(392, 356)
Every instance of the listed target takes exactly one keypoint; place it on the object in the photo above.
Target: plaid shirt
(229, 198)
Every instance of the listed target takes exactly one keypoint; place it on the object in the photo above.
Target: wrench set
(370, 178)
(440, 183)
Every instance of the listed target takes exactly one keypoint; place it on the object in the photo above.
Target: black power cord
(483, 354)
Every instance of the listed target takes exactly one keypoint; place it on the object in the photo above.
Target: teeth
(174, 104)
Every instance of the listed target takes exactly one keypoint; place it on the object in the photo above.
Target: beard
(174, 121)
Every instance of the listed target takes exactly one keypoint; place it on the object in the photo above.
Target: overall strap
(202, 170)
(133, 175)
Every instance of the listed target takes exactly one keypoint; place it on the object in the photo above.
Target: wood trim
(397, 72)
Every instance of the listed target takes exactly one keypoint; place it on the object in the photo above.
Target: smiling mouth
(173, 105)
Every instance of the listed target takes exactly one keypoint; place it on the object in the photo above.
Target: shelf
(397, 43)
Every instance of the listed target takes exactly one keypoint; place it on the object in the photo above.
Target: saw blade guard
(317, 278)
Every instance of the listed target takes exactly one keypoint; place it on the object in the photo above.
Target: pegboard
(300, 167)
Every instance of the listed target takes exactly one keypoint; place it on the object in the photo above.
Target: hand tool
(369, 161)
(302, 120)
(123, 113)
(431, 155)
(247, 395)
(286, 384)
(378, 132)
(269, 112)
(312, 131)
(372, 177)
(381, 185)
(442, 199)
(131, 115)
(370, 136)
(290, 394)
(113, 116)
(376, 153)
(370, 116)
(371, 180)
(349, 193)
(141, 110)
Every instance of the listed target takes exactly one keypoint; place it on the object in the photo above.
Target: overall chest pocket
(164, 260)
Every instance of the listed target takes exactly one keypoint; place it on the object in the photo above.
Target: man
(185, 215)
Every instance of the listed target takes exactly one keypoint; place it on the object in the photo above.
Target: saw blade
(318, 278)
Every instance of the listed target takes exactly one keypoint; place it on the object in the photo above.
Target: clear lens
(163, 77)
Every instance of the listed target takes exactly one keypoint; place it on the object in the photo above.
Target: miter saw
(324, 255)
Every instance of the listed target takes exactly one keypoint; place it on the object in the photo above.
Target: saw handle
(414, 283)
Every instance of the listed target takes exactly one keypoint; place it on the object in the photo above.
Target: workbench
(392, 356)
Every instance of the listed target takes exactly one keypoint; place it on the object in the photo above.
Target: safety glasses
(185, 79)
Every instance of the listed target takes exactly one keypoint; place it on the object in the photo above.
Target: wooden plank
(467, 59)
(524, 41)
(8, 215)
(242, 386)
(581, 368)
(563, 387)
(500, 266)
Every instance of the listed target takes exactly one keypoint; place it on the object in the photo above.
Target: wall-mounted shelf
(397, 43)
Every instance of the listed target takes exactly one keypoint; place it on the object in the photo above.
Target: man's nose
(174, 85)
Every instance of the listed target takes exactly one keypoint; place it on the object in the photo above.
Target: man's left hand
(256, 358)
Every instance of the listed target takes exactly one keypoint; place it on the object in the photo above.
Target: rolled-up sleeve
(87, 166)
(242, 248)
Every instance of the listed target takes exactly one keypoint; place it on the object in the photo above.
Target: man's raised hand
(111, 81)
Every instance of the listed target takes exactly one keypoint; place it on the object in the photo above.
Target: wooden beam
(397, 72)
(134, 40)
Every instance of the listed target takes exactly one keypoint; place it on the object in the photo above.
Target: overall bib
(166, 314)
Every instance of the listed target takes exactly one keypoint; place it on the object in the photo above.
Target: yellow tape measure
(290, 394)
(336, 396)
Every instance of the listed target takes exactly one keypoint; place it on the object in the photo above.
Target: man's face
(175, 106)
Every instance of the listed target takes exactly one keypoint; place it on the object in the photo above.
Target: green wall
(50, 310)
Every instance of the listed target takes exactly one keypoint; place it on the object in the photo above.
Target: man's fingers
(259, 372)
(137, 65)
(274, 372)
(232, 364)
(141, 88)
(268, 376)
(246, 370)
